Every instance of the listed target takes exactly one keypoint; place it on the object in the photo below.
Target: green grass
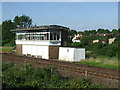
(7, 49)
(102, 61)
(9, 45)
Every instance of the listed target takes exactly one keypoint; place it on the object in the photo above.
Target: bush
(6, 66)
(26, 76)
(83, 83)
(75, 44)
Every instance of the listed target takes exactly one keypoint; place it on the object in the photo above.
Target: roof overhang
(46, 27)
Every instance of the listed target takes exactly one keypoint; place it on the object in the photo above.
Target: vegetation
(7, 49)
(22, 21)
(102, 61)
(99, 54)
(8, 37)
(27, 76)
(99, 49)
(110, 50)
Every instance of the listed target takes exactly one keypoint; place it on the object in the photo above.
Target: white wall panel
(79, 54)
(36, 50)
(45, 52)
(71, 54)
(44, 42)
(39, 50)
(29, 49)
(24, 49)
(66, 53)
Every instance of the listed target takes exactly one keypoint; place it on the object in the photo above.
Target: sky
(78, 16)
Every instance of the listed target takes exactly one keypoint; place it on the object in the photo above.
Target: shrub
(26, 76)
(83, 83)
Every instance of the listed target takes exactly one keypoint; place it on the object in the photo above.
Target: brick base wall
(19, 49)
(53, 52)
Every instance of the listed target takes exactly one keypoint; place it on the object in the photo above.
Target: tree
(80, 32)
(72, 32)
(114, 32)
(93, 32)
(119, 30)
(7, 36)
(86, 33)
(86, 40)
(106, 31)
(112, 49)
(22, 21)
(103, 30)
(17, 21)
(97, 48)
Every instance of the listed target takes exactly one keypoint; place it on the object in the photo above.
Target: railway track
(66, 66)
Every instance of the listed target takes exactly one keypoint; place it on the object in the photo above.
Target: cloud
(60, 0)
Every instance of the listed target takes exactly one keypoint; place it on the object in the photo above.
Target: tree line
(98, 49)
(8, 37)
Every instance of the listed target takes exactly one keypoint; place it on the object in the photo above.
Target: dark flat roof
(45, 27)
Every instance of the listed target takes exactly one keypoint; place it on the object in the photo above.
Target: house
(95, 41)
(76, 38)
(111, 40)
(103, 34)
(44, 42)
(103, 41)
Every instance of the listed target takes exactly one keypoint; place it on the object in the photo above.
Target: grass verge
(102, 61)
(7, 49)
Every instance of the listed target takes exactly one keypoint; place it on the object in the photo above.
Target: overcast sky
(75, 15)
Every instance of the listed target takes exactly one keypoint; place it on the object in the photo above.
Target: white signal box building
(41, 41)
(47, 42)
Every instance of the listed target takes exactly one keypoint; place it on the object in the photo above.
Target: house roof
(77, 38)
(104, 34)
(45, 27)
